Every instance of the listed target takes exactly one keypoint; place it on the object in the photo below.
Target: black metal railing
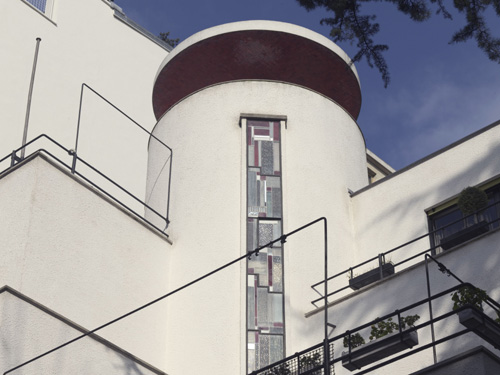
(142, 128)
(350, 357)
(381, 258)
(73, 168)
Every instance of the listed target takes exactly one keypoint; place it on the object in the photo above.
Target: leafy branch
(348, 25)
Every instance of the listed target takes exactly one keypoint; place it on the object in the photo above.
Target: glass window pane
(265, 280)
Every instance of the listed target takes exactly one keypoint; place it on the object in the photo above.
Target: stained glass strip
(265, 318)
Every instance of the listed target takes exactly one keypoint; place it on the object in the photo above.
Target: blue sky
(438, 93)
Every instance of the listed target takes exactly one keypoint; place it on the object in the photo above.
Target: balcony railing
(75, 166)
(384, 268)
(406, 339)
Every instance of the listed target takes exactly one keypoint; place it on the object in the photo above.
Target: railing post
(433, 336)
(13, 158)
(380, 264)
(73, 164)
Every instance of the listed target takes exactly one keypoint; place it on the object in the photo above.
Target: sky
(438, 92)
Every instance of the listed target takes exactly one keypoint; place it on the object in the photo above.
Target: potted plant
(469, 302)
(282, 369)
(470, 202)
(310, 362)
(385, 340)
(355, 340)
(358, 281)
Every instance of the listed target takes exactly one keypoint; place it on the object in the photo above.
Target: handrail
(382, 255)
(15, 159)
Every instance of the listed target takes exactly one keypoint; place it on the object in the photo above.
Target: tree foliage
(166, 38)
(348, 24)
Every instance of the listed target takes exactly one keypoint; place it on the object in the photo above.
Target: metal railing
(152, 136)
(381, 258)
(310, 361)
(72, 168)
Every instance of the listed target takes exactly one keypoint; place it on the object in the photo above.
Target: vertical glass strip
(265, 316)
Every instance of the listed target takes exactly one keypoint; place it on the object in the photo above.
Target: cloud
(438, 110)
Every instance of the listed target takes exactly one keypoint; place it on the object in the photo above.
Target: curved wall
(257, 50)
(323, 155)
(203, 92)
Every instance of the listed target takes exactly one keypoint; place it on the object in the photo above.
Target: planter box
(371, 276)
(379, 349)
(464, 235)
(481, 325)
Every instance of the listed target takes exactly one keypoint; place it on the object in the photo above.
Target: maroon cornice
(257, 55)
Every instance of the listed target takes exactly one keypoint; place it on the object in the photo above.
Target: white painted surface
(323, 155)
(476, 262)
(85, 43)
(27, 332)
(393, 212)
(67, 248)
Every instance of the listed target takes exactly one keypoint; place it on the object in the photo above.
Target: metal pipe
(30, 94)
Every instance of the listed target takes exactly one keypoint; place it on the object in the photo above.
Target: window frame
(450, 208)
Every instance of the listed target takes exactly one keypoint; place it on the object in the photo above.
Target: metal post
(430, 310)
(442, 268)
(326, 351)
(30, 94)
(380, 264)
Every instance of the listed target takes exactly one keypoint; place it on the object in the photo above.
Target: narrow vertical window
(265, 315)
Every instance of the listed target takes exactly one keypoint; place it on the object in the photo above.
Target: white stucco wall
(475, 262)
(85, 43)
(27, 331)
(72, 251)
(393, 212)
(323, 155)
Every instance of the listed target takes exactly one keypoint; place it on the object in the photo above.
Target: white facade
(74, 259)
(83, 42)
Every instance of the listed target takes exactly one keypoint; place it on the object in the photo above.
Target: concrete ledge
(477, 361)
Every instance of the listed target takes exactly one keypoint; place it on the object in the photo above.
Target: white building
(254, 137)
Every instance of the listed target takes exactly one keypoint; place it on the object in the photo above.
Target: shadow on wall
(129, 367)
(407, 216)
(474, 263)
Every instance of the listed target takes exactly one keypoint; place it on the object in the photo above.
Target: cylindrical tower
(261, 119)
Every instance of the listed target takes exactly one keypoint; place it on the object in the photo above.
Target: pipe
(30, 94)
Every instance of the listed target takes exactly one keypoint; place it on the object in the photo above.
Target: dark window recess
(452, 228)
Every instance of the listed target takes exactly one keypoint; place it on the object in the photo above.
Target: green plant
(309, 361)
(471, 200)
(356, 340)
(469, 296)
(280, 370)
(386, 327)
